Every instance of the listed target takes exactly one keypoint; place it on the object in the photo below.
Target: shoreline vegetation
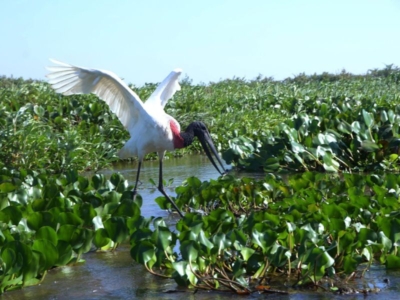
(336, 136)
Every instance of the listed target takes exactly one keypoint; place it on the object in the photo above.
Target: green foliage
(350, 125)
(308, 226)
(50, 220)
(236, 232)
(39, 129)
(319, 122)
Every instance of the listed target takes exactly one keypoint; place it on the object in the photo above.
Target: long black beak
(207, 143)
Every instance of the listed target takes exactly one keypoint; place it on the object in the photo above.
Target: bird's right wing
(125, 103)
(165, 90)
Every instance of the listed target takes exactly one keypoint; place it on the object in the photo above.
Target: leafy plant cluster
(318, 122)
(341, 126)
(236, 233)
(306, 227)
(39, 129)
(48, 221)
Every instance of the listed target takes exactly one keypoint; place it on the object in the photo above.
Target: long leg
(137, 180)
(161, 189)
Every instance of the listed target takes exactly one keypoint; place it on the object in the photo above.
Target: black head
(200, 130)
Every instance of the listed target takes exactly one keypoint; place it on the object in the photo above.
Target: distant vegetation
(257, 124)
(308, 226)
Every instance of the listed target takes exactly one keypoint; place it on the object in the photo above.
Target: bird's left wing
(165, 90)
(125, 103)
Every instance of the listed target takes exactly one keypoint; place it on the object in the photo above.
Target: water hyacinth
(331, 223)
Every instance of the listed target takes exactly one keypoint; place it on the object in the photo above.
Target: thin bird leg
(161, 189)
(134, 191)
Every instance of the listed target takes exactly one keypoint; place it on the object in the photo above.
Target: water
(177, 169)
(114, 275)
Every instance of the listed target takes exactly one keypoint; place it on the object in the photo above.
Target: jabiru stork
(150, 128)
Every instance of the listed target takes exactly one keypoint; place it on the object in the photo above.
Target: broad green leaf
(47, 233)
(116, 229)
(368, 118)
(48, 251)
(7, 187)
(101, 238)
(163, 238)
(64, 253)
(246, 253)
(144, 253)
(369, 146)
(70, 218)
(11, 214)
(296, 147)
(189, 250)
(392, 261)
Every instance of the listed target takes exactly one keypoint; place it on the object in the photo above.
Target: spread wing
(165, 90)
(125, 103)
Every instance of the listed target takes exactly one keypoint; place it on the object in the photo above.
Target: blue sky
(142, 41)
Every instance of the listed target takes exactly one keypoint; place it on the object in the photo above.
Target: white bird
(150, 128)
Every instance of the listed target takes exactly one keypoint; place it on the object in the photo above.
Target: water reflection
(176, 169)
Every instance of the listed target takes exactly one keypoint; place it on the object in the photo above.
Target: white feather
(148, 124)
(166, 90)
(126, 104)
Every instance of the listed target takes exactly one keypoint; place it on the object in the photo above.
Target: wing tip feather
(178, 70)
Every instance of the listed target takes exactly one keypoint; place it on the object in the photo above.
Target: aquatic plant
(236, 233)
(307, 227)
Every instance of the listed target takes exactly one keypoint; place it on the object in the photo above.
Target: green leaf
(86, 213)
(7, 187)
(369, 146)
(101, 238)
(368, 118)
(47, 233)
(246, 253)
(39, 110)
(220, 242)
(48, 252)
(9, 258)
(356, 127)
(330, 164)
(189, 250)
(98, 181)
(65, 254)
(34, 220)
(264, 238)
(65, 232)
(127, 208)
(180, 275)
(11, 214)
(116, 229)
(349, 264)
(392, 262)
(69, 218)
(386, 242)
(144, 253)
(296, 147)
(163, 237)
(183, 275)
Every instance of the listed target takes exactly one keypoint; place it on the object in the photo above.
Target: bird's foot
(134, 194)
(226, 171)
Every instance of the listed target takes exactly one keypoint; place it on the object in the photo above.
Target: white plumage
(147, 123)
(150, 128)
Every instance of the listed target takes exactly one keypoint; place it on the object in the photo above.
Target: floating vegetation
(316, 221)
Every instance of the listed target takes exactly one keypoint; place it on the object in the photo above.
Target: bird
(151, 129)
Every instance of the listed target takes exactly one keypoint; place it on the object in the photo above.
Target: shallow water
(177, 169)
(114, 275)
